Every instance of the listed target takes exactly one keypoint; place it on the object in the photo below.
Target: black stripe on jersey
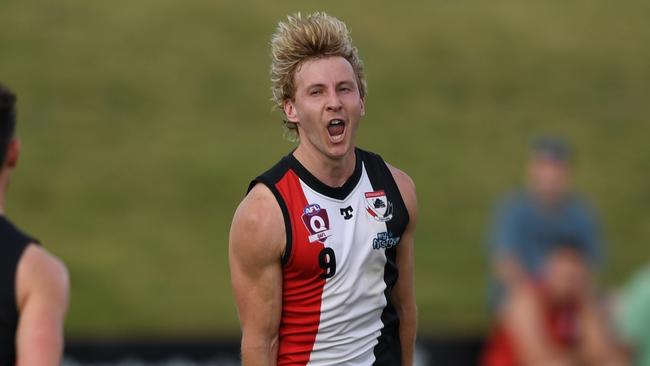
(388, 351)
(269, 179)
(13, 243)
(339, 193)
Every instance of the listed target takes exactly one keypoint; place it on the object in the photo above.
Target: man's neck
(548, 202)
(332, 172)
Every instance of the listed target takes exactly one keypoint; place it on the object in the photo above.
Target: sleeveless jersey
(12, 244)
(339, 265)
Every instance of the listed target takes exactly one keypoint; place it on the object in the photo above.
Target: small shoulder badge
(378, 206)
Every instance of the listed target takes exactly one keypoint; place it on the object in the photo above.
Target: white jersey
(339, 266)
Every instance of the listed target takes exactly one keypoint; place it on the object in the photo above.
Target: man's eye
(315, 92)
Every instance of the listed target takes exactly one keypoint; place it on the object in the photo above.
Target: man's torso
(339, 264)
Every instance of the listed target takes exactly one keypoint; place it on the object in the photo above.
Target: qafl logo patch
(317, 222)
(378, 206)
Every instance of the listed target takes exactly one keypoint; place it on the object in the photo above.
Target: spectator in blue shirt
(528, 223)
(530, 271)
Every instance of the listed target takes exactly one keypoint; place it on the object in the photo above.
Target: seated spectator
(554, 320)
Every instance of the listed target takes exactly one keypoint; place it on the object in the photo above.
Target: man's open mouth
(336, 129)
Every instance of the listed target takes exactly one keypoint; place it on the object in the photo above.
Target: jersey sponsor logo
(317, 222)
(378, 206)
(385, 240)
(347, 212)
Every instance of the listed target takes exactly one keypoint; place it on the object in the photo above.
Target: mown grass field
(143, 121)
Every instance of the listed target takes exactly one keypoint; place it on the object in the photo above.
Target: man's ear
(363, 107)
(13, 151)
(290, 111)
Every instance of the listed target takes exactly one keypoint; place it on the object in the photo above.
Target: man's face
(565, 275)
(327, 106)
(548, 179)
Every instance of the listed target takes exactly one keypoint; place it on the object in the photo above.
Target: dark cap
(552, 148)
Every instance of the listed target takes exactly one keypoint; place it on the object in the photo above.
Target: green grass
(142, 123)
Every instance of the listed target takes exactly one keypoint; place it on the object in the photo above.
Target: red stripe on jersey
(302, 286)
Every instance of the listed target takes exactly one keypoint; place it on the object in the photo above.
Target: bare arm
(403, 297)
(257, 240)
(598, 346)
(42, 288)
(509, 271)
(503, 242)
(524, 320)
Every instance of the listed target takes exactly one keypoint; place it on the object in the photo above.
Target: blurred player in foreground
(321, 248)
(632, 315)
(33, 283)
(555, 320)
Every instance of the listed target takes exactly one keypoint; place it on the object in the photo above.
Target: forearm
(49, 354)
(407, 335)
(256, 352)
(597, 345)
(46, 337)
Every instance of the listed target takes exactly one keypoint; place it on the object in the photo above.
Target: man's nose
(334, 103)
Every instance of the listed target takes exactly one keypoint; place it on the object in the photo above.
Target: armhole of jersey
(285, 215)
(395, 186)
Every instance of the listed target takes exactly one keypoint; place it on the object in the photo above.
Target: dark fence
(430, 351)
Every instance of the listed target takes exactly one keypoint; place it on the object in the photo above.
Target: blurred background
(143, 122)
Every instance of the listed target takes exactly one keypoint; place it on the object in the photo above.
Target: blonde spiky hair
(299, 39)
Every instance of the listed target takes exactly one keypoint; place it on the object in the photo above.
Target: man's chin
(340, 150)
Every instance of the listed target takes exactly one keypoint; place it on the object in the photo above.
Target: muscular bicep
(257, 285)
(42, 284)
(255, 249)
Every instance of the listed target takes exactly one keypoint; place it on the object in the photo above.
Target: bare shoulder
(406, 187)
(40, 271)
(258, 223)
(403, 180)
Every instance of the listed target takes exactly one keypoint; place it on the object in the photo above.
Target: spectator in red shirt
(555, 320)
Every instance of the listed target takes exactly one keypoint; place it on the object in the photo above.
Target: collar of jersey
(339, 193)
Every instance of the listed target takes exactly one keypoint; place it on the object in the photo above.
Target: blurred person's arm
(502, 243)
(598, 346)
(633, 310)
(630, 312)
(508, 270)
(403, 297)
(257, 240)
(523, 317)
(42, 288)
(591, 233)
